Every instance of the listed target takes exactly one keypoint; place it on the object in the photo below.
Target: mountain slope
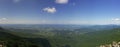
(101, 37)
(15, 41)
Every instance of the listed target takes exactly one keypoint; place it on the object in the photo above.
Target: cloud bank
(2, 19)
(116, 19)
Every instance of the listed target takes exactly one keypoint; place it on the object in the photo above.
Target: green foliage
(11, 40)
(91, 39)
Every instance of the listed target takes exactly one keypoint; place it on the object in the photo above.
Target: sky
(60, 12)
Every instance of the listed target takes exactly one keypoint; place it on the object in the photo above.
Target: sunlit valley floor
(58, 35)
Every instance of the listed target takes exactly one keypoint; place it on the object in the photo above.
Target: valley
(67, 36)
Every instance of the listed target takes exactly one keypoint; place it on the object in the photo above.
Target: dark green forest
(10, 40)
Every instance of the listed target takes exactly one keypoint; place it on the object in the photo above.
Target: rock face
(114, 44)
(16, 41)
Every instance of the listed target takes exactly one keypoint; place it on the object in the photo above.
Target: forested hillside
(11, 40)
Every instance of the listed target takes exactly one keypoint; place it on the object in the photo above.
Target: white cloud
(16, 1)
(50, 10)
(62, 1)
(116, 19)
(2, 19)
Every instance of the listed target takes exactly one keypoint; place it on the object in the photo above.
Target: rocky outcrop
(114, 44)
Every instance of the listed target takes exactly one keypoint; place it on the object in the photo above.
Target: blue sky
(60, 12)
